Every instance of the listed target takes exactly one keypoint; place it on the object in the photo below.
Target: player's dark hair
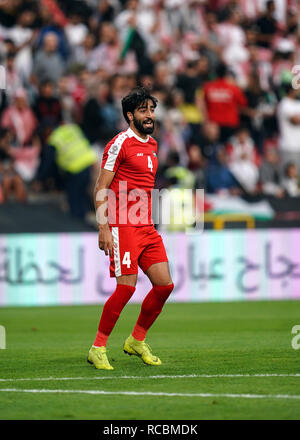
(134, 99)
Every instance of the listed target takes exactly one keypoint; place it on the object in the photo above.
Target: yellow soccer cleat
(141, 349)
(97, 357)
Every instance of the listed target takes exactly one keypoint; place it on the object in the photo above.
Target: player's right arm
(113, 156)
(103, 182)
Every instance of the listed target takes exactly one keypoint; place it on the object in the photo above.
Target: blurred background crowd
(224, 72)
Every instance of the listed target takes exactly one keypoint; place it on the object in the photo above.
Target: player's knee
(170, 287)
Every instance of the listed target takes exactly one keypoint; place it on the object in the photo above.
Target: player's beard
(139, 125)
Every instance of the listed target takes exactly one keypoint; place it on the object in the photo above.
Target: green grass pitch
(191, 339)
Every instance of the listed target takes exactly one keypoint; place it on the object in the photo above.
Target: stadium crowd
(228, 118)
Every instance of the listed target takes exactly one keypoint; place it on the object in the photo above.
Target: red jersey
(223, 100)
(134, 160)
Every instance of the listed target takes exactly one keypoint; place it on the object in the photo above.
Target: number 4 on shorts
(126, 259)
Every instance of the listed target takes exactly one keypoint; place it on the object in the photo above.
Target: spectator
(105, 12)
(174, 104)
(8, 13)
(224, 100)
(20, 118)
(13, 79)
(130, 25)
(127, 19)
(23, 36)
(207, 140)
(267, 26)
(47, 107)
(174, 129)
(48, 63)
(210, 43)
(258, 66)
(260, 115)
(11, 183)
(289, 125)
(232, 39)
(100, 116)
(193, 16)
(251, 9)
(76, 31)
(282, 64)
(152, 24)
(7, 46)
(53, 25)
(290, 182)
(162, 76)
(196, 164)
(82, 53)
(68, 106)
(243, 160)
(219, 179)
(204, 70)
(107, 55)
(270, 174)
(161, 94)
(190, 83)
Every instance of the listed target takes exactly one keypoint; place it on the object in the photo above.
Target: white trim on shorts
(117, 259)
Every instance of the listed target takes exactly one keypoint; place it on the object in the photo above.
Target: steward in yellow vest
(73, 151)
(69, 152)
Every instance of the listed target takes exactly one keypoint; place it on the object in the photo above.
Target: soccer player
(127, 233)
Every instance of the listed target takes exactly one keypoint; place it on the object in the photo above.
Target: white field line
(149, 393)
(184, 376)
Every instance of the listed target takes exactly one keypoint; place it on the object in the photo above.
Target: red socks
(151, 308)
(111, 312)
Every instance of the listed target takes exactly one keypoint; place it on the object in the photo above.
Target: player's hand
(106, 240)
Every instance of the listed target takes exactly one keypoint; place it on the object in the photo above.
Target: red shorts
(135, 246)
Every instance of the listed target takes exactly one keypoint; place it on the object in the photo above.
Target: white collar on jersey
(131, 133)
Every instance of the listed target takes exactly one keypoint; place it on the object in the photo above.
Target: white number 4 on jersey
(126, 259)
(150, 164)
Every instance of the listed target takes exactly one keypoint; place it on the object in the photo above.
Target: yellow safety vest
(74, 152)
(181, 210)
(186, 179)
